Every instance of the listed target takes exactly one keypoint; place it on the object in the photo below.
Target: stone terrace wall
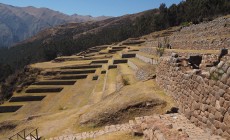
(206, 58)
(207, 35)
(204, 101)
(144, 72)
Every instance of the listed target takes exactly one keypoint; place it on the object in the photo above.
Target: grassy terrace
(127, 73)
(111, 82)
(50, 65)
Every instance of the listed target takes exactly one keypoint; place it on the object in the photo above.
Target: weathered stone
(217, 124)
(217, 105)
(218, 116)
(223, 127)
(226, 96)
(212, 83)
(220, 64)
(226, 119)
(204, 119)
(224, 78)
(204, 107)
(195, 105)
(226, 135)
(225, 67)
(228, 82)
(213, 128)
(221, 101)
(220, 93)
(219, 132)
(222, 110)
(211, 118)
(159, 135)
(226, 104)
(228, 71)
(212, 109)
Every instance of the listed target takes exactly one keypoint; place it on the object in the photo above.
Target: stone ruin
(201, 90)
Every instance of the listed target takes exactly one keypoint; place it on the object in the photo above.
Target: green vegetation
(162, 46)
(194, 11)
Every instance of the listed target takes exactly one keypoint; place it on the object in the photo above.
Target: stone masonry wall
(206, 35)
(142, 73)
(146, 59)
(204, 100)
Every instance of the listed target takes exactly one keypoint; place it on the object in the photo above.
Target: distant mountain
(20, 23)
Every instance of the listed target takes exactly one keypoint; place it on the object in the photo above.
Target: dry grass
(50, 65)
(129, 95)
(111, 82)
(127, 73)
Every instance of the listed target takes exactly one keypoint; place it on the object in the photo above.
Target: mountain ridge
(20, 23)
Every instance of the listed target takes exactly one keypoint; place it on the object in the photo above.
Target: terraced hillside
(207, 35)
(110, 92)
(70, 87)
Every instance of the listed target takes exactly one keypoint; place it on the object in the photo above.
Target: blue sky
(93, 7)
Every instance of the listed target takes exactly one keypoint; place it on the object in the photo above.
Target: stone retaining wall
(203, 100)
(144, 72)
(132, 65)
(206, 35)
(206, 58)
(146, 59)
(155, 127)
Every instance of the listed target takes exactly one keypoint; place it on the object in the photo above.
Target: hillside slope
(19, 23)
(53, 42)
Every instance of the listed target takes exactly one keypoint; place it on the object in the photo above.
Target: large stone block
(226, 104)
(226, 135)
(217, 124)
(217, 106)
(227, 96)
(225, 67)
(228, 71)
(220, 65)
(219, 132)
(219, 116)
(222, 110)
(221, 101)
(211, 109)
(212, 83)
(211, 117)
(227, 118)
(228, 82)
(209, 124)
(204, 119)
(195, 105)
(223, 126)
(204, 107)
